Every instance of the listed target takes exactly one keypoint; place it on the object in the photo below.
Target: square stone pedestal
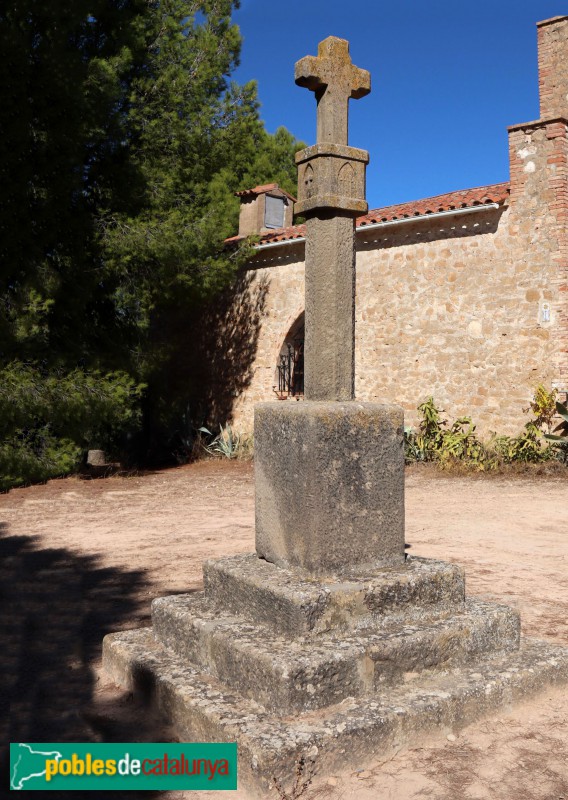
(329, 481)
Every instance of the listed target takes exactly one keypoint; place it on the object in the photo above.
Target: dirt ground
(80, 558)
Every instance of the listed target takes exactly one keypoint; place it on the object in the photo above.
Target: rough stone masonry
(327, 647)
(462, 296)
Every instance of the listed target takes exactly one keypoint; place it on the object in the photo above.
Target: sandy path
(94, 553)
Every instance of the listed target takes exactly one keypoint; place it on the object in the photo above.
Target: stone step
(291, 603)
(351, 733)
(308, 673)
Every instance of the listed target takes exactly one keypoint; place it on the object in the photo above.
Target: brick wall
(539, 202)
(553, 67)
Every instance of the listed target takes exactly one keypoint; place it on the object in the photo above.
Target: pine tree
(122, 144)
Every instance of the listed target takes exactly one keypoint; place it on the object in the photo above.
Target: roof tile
(466, 198)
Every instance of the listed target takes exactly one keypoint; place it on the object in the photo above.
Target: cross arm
(307, 74)
(360, 82)
(332, 65)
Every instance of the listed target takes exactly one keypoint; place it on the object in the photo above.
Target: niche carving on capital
(309, 181)
(346, 180)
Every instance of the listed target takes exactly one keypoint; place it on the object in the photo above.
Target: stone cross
(329, 472)
(334, 79)
(331, 193)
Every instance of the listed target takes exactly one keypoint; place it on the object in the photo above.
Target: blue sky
(448, 76)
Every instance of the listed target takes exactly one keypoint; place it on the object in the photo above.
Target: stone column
(331, 194)
(330, 308)
(330, 470)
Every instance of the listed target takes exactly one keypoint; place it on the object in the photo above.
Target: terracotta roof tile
(264, 189)
(466, 198)
(257, 189)
(496, 193)
(277, 235)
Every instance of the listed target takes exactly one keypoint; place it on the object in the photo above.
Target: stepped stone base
(302, 674)
(333, 670)
(291, 602)
(344, 735)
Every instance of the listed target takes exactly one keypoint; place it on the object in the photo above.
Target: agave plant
(226, 443)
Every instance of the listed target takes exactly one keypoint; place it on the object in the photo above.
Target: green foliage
(32, 456)
(461, 443)
(560, 441)
(412, 451)
(430, 430)
(528, 447)
(434, 441)
(228, 443)
(543, 407)
(62, 72)
(48, 420)
(261, 158)
(194, 140)
(122, 144)
(458, 443)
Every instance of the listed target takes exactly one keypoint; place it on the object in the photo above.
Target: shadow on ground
(55, 608)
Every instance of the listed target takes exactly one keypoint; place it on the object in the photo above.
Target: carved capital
(331, 177)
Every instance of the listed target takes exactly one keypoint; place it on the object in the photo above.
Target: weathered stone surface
(331, 190)
(306, 673)
(96, 458)
(334, 79)
(352, 732)
(331, 176)
(329, 485)
(292, 603)
(329, 348)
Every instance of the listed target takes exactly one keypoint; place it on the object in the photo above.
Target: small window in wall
(274, 212)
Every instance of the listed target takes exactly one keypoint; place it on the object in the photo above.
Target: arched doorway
(290, 366)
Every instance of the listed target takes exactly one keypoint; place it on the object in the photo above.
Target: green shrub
(458, 443)
(434, 441)
(228, 443)
(529, 446)
(49, 419)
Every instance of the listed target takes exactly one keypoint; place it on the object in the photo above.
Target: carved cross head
(334, 79)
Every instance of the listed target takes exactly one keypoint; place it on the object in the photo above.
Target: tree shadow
(206, 362)
(228, 341)
(56, 607)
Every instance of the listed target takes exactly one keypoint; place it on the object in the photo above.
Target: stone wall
(282, 275)
(471, 308)
(450, 308)
(453, 311)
